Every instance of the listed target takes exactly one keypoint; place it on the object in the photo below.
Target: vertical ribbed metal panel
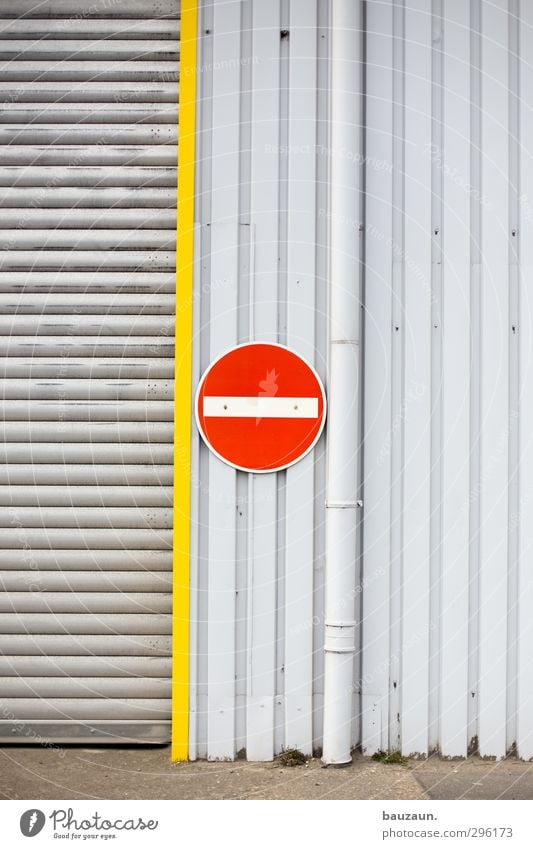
(448, 414)
(258, 541)
(88, 128)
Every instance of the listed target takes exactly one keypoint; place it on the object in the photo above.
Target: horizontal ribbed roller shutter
(88, 129)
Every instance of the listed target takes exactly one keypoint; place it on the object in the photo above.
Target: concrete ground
(34, 772)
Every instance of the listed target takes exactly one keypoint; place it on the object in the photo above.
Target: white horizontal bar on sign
(263, 407)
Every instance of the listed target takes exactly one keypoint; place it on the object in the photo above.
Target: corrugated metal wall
(258, 541)
(448, 529)
(87, 230)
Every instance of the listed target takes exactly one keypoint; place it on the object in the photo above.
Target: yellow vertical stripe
(183, 389)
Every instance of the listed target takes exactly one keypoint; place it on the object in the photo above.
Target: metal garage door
(88, 129)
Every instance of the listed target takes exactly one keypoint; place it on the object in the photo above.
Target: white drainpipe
(343, 406)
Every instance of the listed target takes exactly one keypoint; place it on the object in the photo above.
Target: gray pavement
(34, 772)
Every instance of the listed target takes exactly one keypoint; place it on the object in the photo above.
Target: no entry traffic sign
(260, 407)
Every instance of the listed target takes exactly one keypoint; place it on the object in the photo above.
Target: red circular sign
(260, 407)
